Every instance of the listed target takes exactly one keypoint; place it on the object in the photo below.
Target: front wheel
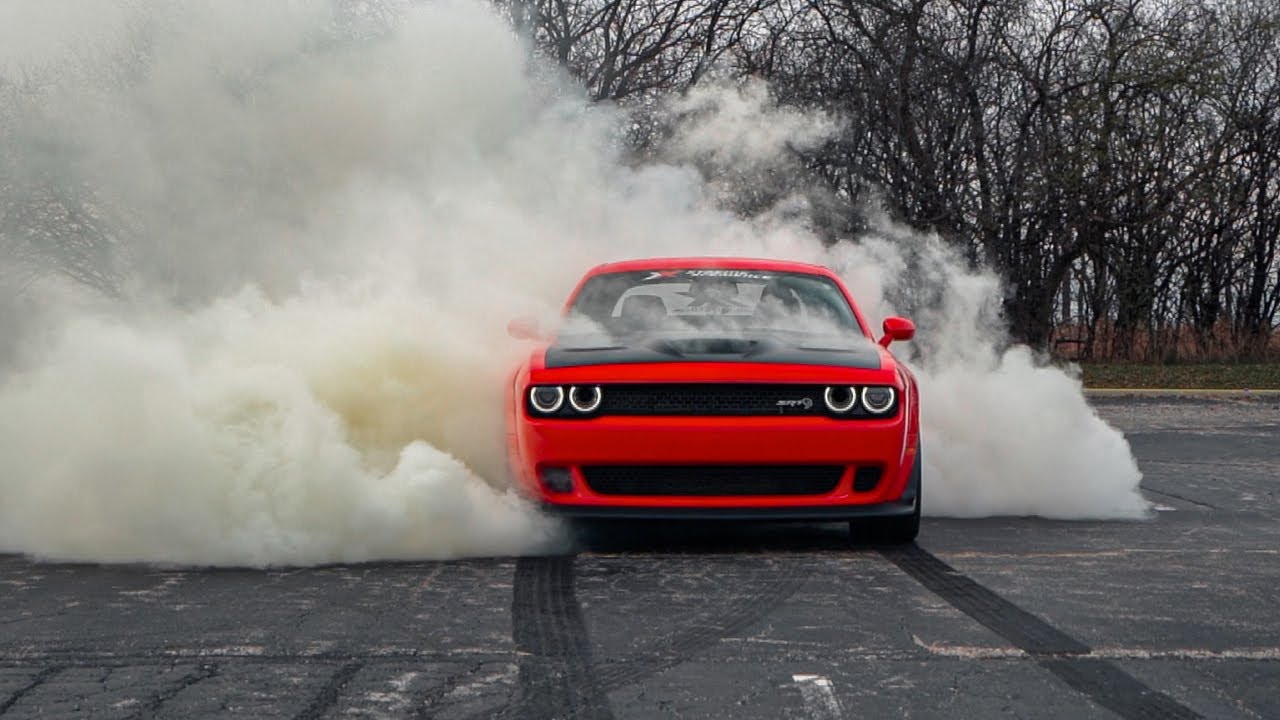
(892, 530)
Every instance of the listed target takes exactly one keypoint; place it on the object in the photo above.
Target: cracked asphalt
(1176, 616)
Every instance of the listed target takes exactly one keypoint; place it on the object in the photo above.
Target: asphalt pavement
(1177, 616)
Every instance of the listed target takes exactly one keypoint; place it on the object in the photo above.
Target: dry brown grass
(1206, 376)
(1167, 346)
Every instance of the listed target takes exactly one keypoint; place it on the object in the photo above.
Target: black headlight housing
(563, 401)
(860, 401)
(841, 402)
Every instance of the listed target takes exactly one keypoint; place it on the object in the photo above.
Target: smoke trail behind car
(260, 259)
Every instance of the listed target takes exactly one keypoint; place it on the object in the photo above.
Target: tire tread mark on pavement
(1102, 681)
(556, 679)
(1166, 493)
(160, 698)
(36, 682)
(732, 619)
(328, 695)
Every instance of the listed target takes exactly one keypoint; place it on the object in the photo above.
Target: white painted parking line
(819, 698)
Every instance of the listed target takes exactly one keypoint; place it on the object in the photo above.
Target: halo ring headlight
(877, 399)
(594, 393)
(546, 399)
(832, 397)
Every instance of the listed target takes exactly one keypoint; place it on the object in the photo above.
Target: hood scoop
(683, 347)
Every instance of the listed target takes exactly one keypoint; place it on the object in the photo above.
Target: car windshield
(709, 298)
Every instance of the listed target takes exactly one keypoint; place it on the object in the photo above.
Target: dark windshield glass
(695, 298)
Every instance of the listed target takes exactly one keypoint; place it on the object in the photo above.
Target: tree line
(1117, 161)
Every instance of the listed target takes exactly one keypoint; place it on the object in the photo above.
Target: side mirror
(896, 328)
(524, 328)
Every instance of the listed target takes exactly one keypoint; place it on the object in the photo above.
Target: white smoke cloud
(252, 432)
(1003, 433)
(741, 128)
(325, 223)
(36, 35)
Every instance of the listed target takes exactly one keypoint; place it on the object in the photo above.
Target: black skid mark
(556, 678)
(1102, 681)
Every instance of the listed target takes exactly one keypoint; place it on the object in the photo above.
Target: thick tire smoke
(321, 221)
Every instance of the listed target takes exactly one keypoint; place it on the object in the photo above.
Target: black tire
(892, 530)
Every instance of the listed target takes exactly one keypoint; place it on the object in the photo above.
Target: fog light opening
(866, 478)
(556, 479)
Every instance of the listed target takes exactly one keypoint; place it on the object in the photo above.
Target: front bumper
(571, 444)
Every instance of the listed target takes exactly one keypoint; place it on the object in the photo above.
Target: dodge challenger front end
(718, 388)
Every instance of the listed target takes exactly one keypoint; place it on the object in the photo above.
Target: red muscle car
(726, 388)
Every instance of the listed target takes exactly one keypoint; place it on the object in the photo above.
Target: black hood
(798, 348)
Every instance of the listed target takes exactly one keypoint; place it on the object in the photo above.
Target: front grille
(712, 480)
(712, 399)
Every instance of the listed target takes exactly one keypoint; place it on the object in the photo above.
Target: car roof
(695, 263)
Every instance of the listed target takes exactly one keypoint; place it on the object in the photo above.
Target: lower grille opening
(865, 479)
(712, 480)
